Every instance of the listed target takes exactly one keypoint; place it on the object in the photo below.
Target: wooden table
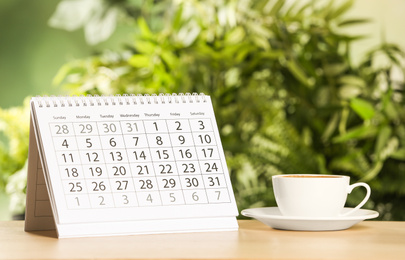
(366, 240)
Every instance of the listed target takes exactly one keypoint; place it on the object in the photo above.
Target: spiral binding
(114, 100)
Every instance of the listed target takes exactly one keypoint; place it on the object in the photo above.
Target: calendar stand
(116, 165)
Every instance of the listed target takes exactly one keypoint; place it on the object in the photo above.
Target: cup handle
(349, 190)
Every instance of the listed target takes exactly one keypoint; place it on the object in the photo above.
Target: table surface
(366, 240)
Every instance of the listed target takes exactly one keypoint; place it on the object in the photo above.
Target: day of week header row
(126, 115)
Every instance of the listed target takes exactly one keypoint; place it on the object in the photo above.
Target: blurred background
(32, 54)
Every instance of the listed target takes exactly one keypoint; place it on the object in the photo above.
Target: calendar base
(147, 227)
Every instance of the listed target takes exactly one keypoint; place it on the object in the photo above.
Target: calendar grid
(191, 171)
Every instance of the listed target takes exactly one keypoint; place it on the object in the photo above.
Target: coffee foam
(310, 176)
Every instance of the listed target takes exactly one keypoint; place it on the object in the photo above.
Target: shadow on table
(44, 233)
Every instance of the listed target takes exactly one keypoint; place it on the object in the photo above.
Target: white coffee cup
(314, 195)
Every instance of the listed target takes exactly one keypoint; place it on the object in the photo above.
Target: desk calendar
(114, 165)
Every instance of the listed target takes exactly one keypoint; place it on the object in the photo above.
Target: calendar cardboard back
(131, 165)
(38, 211)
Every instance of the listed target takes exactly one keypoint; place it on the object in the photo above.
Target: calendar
(130, 164)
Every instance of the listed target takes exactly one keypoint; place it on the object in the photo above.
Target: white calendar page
(133, 164)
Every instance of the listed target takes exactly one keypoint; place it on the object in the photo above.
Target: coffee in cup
(314, 195)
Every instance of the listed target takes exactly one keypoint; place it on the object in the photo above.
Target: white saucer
(272, 217)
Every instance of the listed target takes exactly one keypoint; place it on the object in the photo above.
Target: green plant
(287, 95)
(14, 135)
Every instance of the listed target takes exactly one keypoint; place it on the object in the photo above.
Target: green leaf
(399, 154)
(169, 58)
(340, 10)
(373, 172)
(351, 38)
(144, 28)
(272, 54)
(389, 148)
(352, 80)
(298, 73)
(349, 91)
(350, 22)
(101, 27)
(382, 139)
(362, 108)
(145, 47)
(275, 9)
(330, 127)
(391, 110)
(334, 69)
(235, 36)
(139, 61)
(68, 18)
(301, 11)
(188, 33)
(261, 42)
(361, 132)
(177, 19)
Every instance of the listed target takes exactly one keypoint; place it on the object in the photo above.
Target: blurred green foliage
(14, 133)
(287, 95)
